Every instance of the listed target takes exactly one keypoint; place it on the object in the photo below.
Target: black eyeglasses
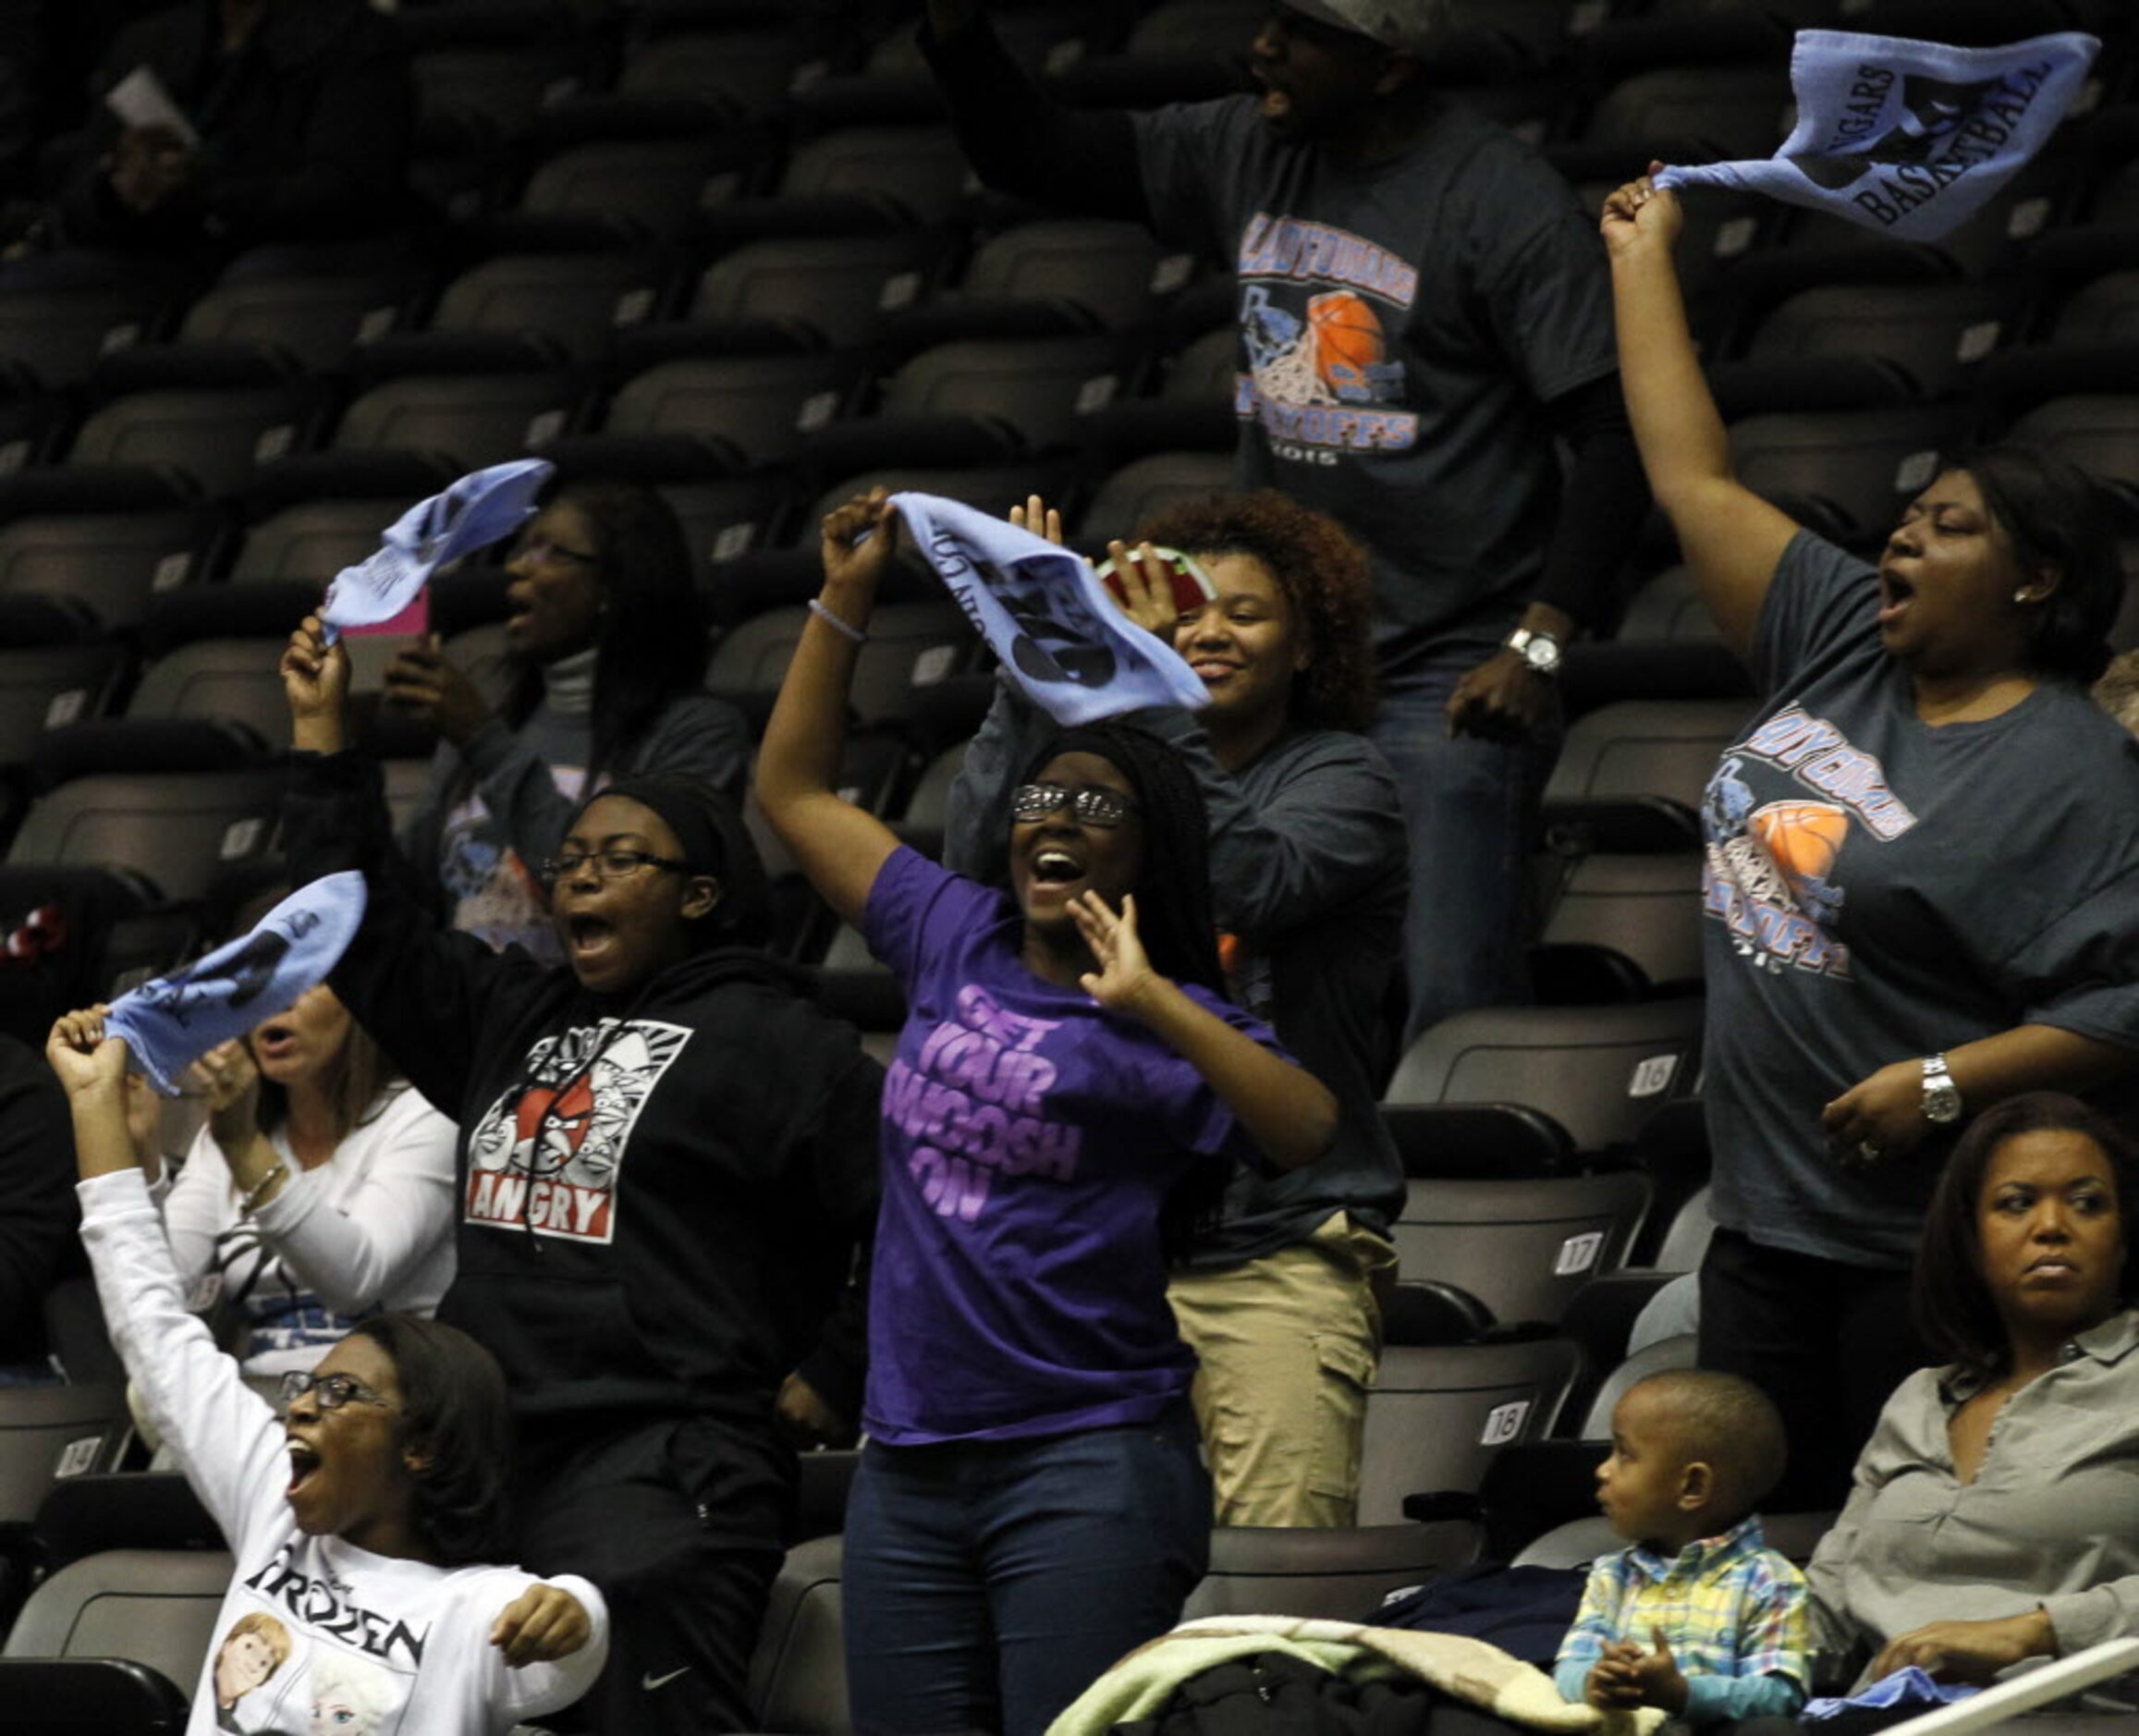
(542, 548)
(609, 864)
(1091, 804)
(333, 1391)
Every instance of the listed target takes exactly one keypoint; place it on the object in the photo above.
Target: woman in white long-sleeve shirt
(320, 1190)
(359, 1519)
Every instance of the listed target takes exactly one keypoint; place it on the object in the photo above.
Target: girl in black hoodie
(667, 1167)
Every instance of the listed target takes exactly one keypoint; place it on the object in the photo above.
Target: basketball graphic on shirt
(1283, 351)
(1802, 838)
(1348, 348)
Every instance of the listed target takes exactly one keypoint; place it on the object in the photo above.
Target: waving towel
(474, 512)
(1908, 137)
(171, 1023)
(1061, 637)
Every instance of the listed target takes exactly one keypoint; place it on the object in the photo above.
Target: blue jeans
(1470, 810)
(987, 1583)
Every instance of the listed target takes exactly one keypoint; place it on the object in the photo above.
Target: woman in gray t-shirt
(1921, 863)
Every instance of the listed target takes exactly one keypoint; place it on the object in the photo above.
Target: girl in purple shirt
(1069, 1085)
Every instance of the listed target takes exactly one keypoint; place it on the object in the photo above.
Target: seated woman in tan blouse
(1995, 1515)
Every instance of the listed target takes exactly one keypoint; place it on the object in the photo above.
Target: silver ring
(1867, 1152)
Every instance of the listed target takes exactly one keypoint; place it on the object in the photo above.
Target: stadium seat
(179, 831)
(1099, 275)
(232, 679)
(822, 290)
(312, 541)
(764, 408)
(215, 437)
(501, 88)
(2100, 432)
(1597, 1071)
(1644, 911)
(316, 322)
(63, 1696)
(749, 70)
(1581, 1541)
(984, 401)
(153, 1607)
(48, 1433)
(922, 823)
(1633, 774)
(1848, 345)
(631, 188)
(1682, 115)
(50, 688)
(1666, 610)
(1437, 1414)
(1335, 1574)
(1846, 473)
(1147, 487)
(797, 1682)
(854, 180)
(469, 419)
(1523, 1247)
(576, 300)
(910, 645)
(112, 562)
(1191, 410)
(58, 334)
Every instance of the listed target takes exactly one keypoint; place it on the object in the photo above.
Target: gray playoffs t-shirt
(1400, 326)
(1877, 890)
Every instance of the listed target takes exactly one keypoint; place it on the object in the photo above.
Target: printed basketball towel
(1907, 137)
(1047, 614)
(173, 1022)
(475, 511)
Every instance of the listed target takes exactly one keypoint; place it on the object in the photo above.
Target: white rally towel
(478, 510)
(1907, 137)
(1061, 637)
(173, 1022)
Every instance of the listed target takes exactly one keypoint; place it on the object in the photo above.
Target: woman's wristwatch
(1942, 1097)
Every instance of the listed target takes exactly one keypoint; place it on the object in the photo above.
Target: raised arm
(840, 848)
(426, 995)
(1287, 1111)
(1731, 538)
(1020, 139)
(226, 1438)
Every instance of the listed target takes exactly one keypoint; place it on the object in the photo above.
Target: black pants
(679, 1524)
(1828, 1342)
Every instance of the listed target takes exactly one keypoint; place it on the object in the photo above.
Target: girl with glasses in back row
(1070, 1094)
(606, 640)
(361, 1519)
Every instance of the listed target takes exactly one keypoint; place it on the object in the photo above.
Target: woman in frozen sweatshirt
(360, 1517)
(666, 1168)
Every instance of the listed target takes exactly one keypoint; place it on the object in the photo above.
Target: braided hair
(1175, 917)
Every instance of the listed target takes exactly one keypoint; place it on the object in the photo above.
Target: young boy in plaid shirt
(1698, 1617)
